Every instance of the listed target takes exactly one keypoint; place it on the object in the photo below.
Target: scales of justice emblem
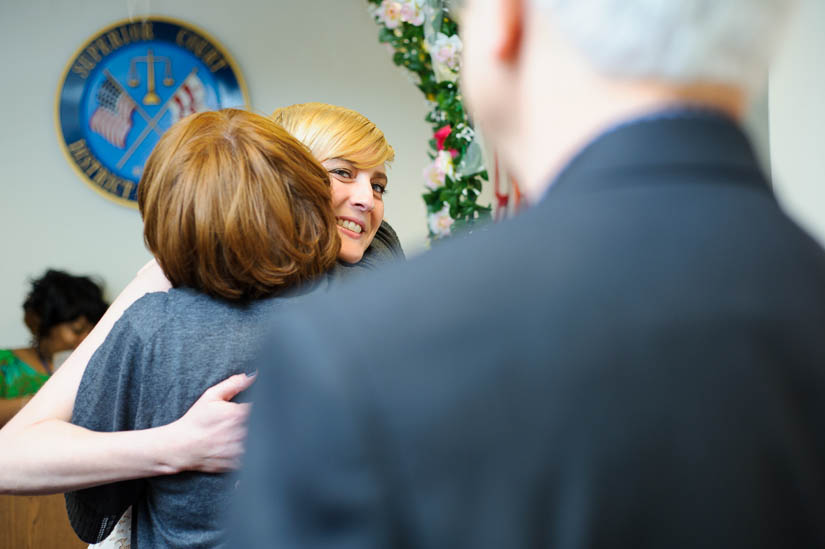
(126, 86)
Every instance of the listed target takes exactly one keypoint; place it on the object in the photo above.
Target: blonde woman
(44, 453)
(356, 155)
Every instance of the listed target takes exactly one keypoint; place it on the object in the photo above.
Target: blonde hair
(235, 207)
(336, 132)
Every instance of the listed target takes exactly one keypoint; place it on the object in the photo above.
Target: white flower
(412, 12)
(446, 55)
(437, 114)
(389, 13)
(465, 132)
(435, 174)
(440, 222)
(447, 50)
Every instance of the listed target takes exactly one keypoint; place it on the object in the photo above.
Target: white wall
(289, 51)
(797, 119)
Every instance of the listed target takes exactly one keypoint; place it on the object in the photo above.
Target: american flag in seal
(112, 119)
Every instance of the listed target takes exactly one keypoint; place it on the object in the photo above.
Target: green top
(17, 378)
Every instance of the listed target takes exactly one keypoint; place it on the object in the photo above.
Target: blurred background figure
(60, 310)
(651, 373)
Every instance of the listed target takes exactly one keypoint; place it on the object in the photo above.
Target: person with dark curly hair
(60, 310)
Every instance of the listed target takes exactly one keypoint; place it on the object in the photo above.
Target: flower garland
(424, 40)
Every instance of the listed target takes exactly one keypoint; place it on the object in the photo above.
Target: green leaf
(407, 41)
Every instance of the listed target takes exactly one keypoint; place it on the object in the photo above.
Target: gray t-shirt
(165, 351)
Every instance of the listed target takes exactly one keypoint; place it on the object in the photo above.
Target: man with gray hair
(638, 360)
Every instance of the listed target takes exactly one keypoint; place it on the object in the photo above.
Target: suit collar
(682, 139)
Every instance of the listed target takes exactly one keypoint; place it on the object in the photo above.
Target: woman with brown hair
(208, 437)
(236, 211)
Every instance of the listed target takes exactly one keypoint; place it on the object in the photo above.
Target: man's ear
(510, 29)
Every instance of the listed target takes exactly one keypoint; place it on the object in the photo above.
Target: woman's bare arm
(43, 453)
(55, 456)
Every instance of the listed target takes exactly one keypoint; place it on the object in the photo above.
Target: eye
(380, 189)
(342, 173)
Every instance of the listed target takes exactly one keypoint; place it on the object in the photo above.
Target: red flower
(441, 136)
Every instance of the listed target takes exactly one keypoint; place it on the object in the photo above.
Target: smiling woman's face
(358, 203)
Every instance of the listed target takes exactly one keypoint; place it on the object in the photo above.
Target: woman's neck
(36, 359)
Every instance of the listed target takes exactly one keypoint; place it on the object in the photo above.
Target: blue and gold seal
(126, 85)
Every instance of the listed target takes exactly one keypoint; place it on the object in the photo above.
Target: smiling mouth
(350, 225)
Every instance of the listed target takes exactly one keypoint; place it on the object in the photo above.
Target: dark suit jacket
(637, 361)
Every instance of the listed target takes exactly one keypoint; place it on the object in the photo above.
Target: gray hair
(677, 41)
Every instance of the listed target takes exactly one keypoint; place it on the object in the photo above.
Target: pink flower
(440, 222)
(447, 50)
(389, 13)
(412, 12)
(436, 173)
(441, 136)
(446, 56)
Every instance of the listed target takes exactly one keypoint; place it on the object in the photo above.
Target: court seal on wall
(126, 85)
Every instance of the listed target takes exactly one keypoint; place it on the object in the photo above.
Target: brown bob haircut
(235, 207)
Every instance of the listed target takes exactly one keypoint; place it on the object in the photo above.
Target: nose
(362, 196)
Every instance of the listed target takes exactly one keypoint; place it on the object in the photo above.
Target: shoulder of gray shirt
(146, 314)
(385, 248)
